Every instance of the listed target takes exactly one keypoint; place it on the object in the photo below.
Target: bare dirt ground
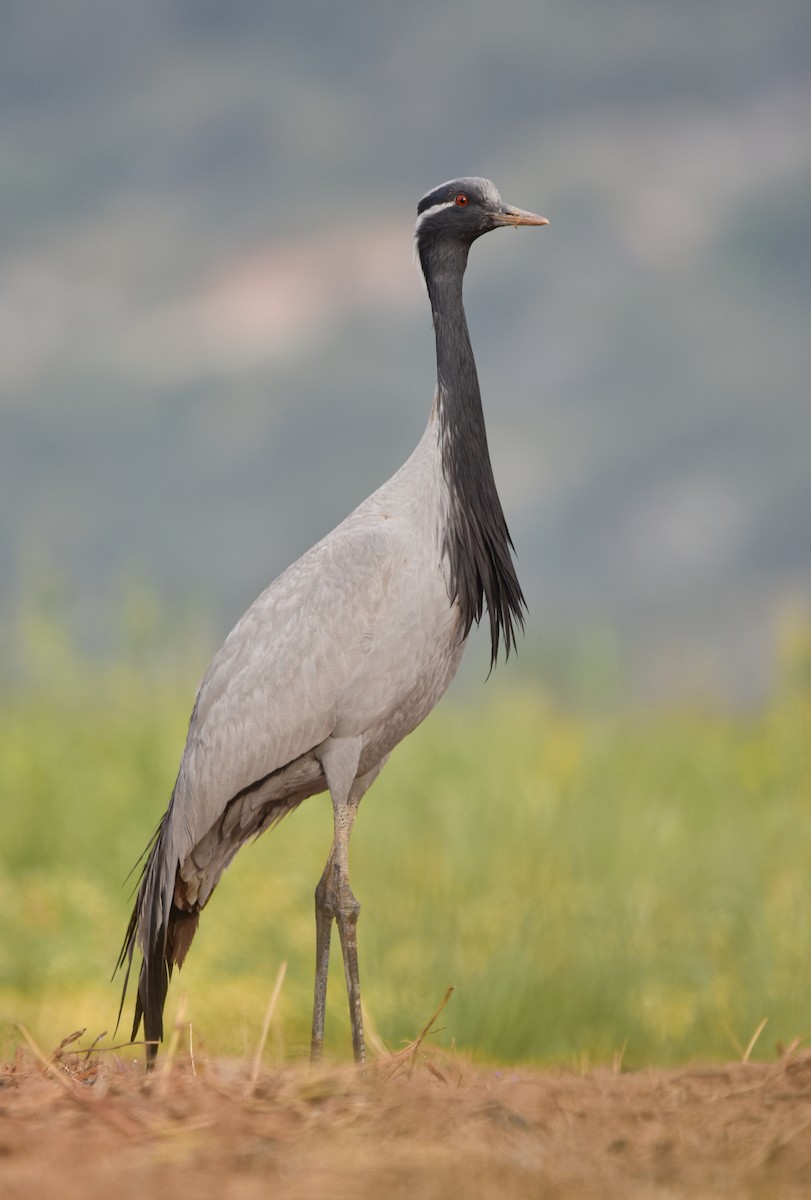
(430, 1127)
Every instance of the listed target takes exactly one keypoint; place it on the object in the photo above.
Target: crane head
(464, 209)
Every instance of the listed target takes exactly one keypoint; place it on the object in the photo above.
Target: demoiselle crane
(344, 653)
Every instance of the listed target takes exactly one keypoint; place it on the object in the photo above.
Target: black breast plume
(477, 540)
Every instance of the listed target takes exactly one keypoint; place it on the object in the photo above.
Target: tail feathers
(156, 973)
(163, 932)
(158, 963)
(149, 1002)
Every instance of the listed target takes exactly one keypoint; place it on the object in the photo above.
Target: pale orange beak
(517, 216)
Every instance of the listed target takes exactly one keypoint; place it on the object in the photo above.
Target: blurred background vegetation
(213, 343)
(596, 880)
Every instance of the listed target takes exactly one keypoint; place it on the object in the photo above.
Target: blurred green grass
(593, 884)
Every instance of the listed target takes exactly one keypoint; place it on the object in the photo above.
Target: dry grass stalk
(46, 1063)
(406, 1059)
(171, 1049)
(271, 1008)
(753, 1039)
(373, 1039)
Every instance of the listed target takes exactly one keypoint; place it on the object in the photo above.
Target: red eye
(462, 200)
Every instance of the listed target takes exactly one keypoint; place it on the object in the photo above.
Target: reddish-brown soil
(434, 1128)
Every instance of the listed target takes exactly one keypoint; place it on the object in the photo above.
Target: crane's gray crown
(480, 191)
(439, 212)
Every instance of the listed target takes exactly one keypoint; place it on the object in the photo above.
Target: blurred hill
(213, 342)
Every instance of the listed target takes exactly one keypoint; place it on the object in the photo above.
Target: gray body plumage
(346, 652)
(371, 602)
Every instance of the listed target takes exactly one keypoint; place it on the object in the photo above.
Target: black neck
(477, 539)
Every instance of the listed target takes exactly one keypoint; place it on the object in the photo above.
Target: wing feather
(274, 690)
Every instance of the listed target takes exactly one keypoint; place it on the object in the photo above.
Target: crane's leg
(334, 899)
(323, 933)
